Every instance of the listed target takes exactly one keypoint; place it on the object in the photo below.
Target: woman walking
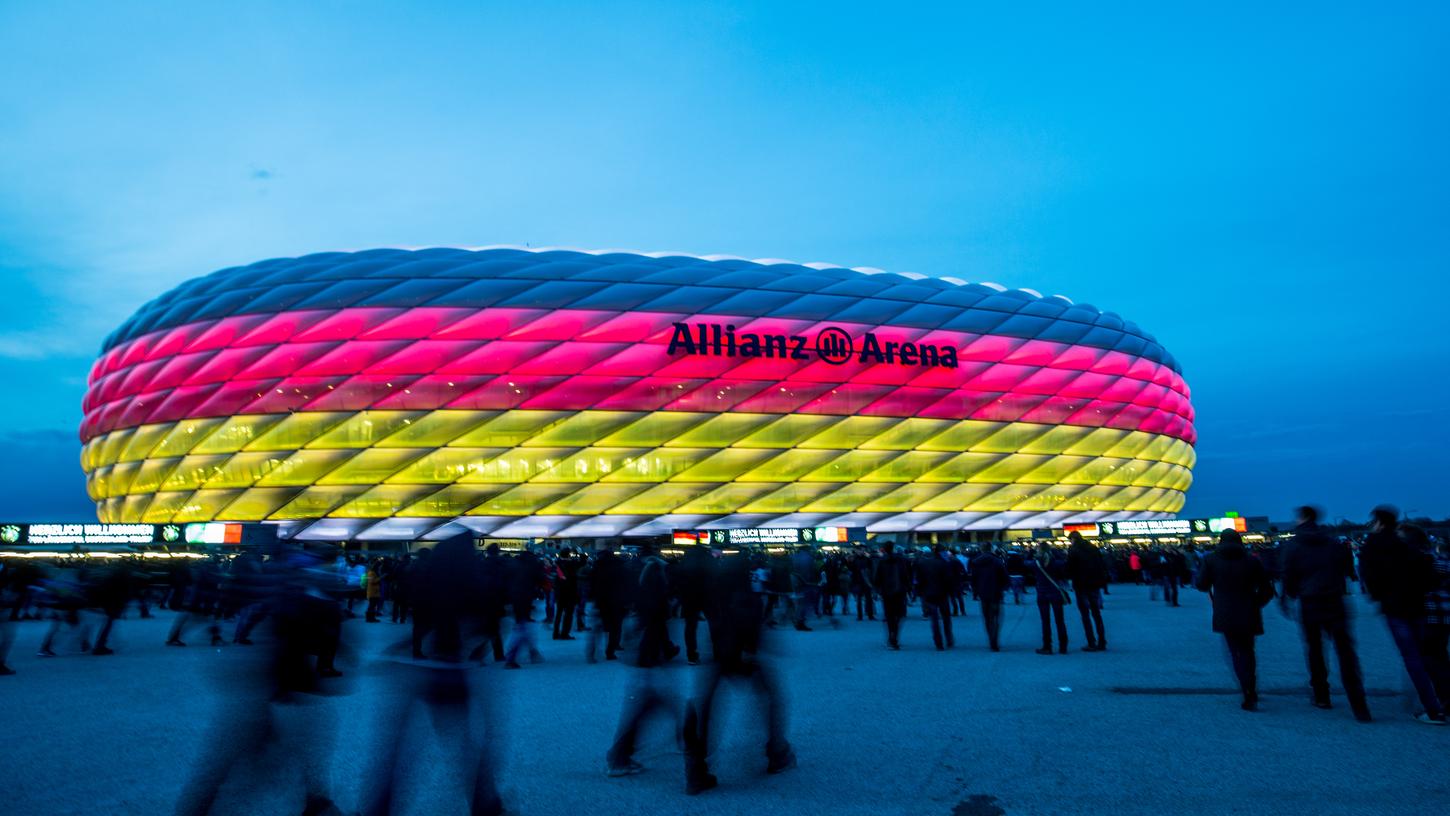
(1240, 588)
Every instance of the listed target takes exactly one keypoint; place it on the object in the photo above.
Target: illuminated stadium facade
(399, 395)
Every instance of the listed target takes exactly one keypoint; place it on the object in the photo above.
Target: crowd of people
(464, 608)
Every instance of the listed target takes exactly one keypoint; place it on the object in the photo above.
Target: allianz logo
(831, 344)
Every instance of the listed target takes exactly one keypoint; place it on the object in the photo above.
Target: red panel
(688, 366)
(846, 399)
(1008, 407)
(633, 327)
(225, 365)
(765, 368)
(560, 324)
(432, 391)
(1114, 362)
(424, 356)
(417, 323)
(183, 403)
(1035, 353)
(498, 357)
(1089, 385)
(781, 398)
(177, 339)
(280, 328)
(1054, 410)
(649, 394)
(138, 378)
(1000, 377)
(292, 394)
(719, 395)
(905, 402)
(577, 392)
(286, 359)
(1045, 381)
(950, 377)
(990, 348)
(225, 331)
(634, 360)
(233, 397)
(1081, 358)
(569, 357)
(1117, 389)
(352, 357)
(505, 392)
(359, 392)
(178, 369)
(346, 324)
(490, 324)
(959, 404)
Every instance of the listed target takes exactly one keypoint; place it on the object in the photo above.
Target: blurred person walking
(647, 693)
(934, 585)
(1398, 575)
(1317, 570)
(1240, 588)
(989, 581)
(892, 579)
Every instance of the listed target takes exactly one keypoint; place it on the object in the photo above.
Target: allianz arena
(398, 395)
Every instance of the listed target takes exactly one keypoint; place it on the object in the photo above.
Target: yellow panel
(851, 466)
(957, 498)
(961, 436)
(510, 429)
(365, 429)
(382, 501)
(151, 474)
(1121, 498)
(436, 429)
(593, 499)
(790, 498)
(662, 498)
(192, 471)
(584, 428)
(133, 508)
(728, 498)
(517, 465)
(122, 476)
(89, 451)
(1131, 445)
(655, 429)
(788, 431)
(204, 505)
(904, 498)
(851, 432)
(453, 500)
(109, 511)
(110, 452)
(848, 499)
(523, 500)
(296, 430)
(369, 466)
(1158, 448)
(907, 467)
(1183, 478)
(315, 501)
(721, 430)
(1091, 498)
(305, 467)
(726, 464)
(1045, 497)
(143, 441)
(1005, 497)
(790, 465)
(658, 465)
(1055, 470)
(1097, 443)
(164, 506)
(1011, 439)
(98, 483)
(186, 435)
(243, 469)
(591, 464)
(442, 466)
(1180, 453)
(1057, 439)
(1010, 468)
(257, 503)
(237, 432)
(907, 434)
(1126, 473)
(1093, 471)
(1158, 474)
(962, 467)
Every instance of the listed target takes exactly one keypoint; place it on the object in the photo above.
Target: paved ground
(1151, 727)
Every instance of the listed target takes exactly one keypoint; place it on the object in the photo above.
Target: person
(1049, 572)
(989, 582)
(805, 584)
(607, 584)
(1317, 572)
(1172, 567)
(934, 585)
(1017, 573)
(1396, 576)
(1436, 643)
(737, 631)
(566, 593)
(652, 608)
(1089, 575)
(526, 576)
(1240, 588)
(691, 572)
(861, 587)
(373, 590)
(892, 579)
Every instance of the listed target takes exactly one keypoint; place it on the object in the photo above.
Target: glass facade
(628, 394)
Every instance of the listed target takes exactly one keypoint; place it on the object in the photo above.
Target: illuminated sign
(1147, 527)
(213, 532)
(95, 535)
(832, 344)
(1237, 523)
(771, 536)
(1086, 529)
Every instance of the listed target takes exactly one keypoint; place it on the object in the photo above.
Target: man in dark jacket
(1089, 576)
(1316, 571)
(1397, 577)
(934, 585)
(566, 593)
(989, 581)
(1240, 587)
(691, 574)
(892, 580)
(608, 583)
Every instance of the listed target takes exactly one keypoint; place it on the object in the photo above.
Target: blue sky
(1263, 189)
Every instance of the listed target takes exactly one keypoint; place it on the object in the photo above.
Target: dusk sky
(1266, 192)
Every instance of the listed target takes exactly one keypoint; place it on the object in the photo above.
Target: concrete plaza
(1151, 727)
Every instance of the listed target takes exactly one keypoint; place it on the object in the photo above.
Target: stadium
(398, 395)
